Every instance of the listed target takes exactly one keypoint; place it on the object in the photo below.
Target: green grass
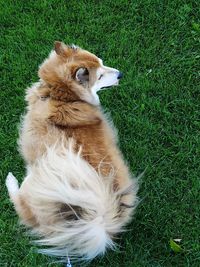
(156, 109)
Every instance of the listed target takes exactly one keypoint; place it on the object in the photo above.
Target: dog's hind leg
(12, 186)
(23, 209)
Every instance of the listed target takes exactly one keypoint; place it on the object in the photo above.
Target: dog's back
(78, 193)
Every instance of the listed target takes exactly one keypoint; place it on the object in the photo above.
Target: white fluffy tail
(77, 209)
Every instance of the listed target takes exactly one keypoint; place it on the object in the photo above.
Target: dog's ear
(64, 50)
(82, 75)
(60, 48)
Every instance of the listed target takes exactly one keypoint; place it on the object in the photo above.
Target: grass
(156, 109)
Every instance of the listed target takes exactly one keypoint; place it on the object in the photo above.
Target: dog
(78, 193)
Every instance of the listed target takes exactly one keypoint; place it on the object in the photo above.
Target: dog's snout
(120, 75)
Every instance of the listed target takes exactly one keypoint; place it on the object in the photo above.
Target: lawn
(156, 44)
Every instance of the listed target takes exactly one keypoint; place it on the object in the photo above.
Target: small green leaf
(175, 247)
(142, 106)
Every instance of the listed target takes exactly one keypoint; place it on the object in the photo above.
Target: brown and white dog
(77, 194)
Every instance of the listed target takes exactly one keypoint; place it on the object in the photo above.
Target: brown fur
(56, 111)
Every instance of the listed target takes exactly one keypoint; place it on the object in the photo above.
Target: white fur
(33, 90)
(65, 177)
(12, 185)
(109, 78)
(106, 77)
(95, 98)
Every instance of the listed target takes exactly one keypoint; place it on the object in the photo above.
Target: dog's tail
(80, 209)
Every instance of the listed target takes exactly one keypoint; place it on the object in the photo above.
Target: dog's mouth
(109, 86)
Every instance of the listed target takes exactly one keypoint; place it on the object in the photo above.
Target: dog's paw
(12, 183)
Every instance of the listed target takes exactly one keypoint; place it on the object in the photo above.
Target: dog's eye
(100, 77)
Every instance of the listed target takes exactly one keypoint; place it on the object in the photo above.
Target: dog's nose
(120, 75)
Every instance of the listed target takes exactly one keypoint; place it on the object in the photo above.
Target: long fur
(73, 183)
(78, 194)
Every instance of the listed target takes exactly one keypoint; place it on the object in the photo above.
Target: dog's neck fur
(59, 92)
(66, 108)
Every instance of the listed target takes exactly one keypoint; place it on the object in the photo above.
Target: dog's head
(74, 73)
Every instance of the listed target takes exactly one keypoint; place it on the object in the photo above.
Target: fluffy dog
(77, 194)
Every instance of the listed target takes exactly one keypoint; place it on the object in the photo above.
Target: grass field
(156, 44)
